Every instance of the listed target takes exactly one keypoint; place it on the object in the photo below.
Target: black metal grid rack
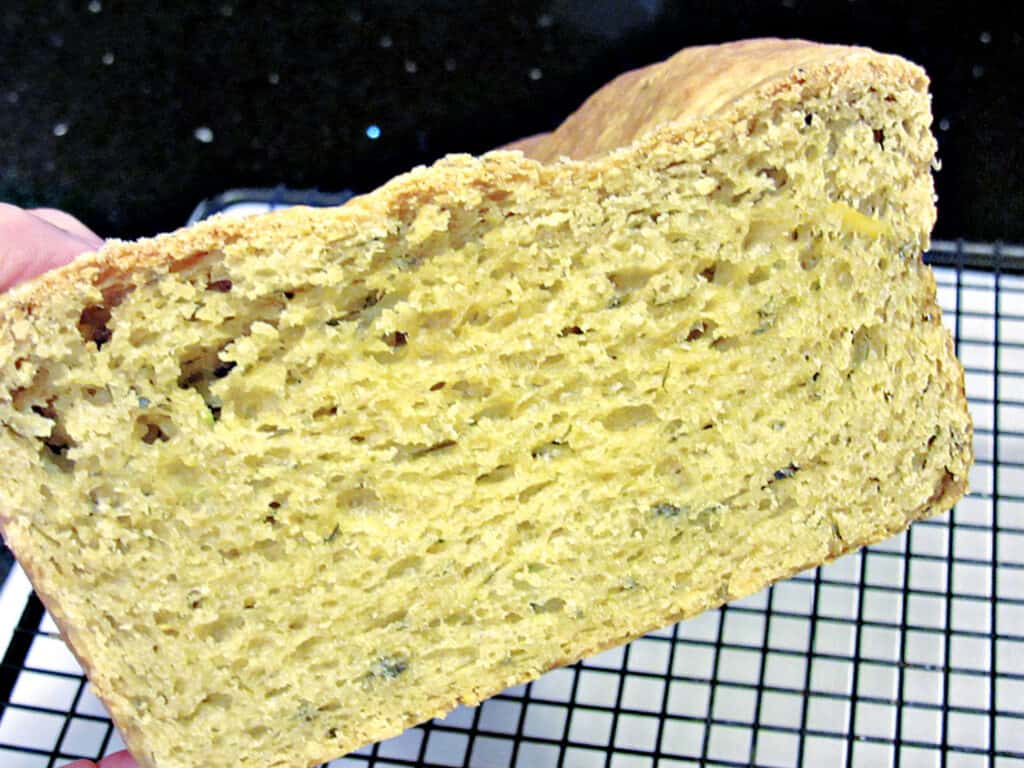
(908, 653)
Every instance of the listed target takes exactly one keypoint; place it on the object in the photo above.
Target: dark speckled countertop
(128, 114)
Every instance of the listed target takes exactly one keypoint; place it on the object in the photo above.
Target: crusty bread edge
(118, 259)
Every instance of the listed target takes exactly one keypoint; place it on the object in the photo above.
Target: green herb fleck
(404, 263)
(766, 315)
(786, 472)
(389, 667)
(664, 509)
(332, 535)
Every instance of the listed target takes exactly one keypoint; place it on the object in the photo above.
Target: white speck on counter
(985, 37)
(95, 6)
(273, 78)
(386, 41)
(410, 66)
(107, 58)
(544, 20)
(449, 64)
(944, 124)
(203, 134)
(13, 97)
(227, 11)
(977, 71)
(60, 129)
(373, 131)
(536, 74)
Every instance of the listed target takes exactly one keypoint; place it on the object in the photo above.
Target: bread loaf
(294, 483)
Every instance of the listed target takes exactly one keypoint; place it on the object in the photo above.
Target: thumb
(117, 760)
(30, 245)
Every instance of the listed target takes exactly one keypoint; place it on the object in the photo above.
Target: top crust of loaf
(690, 94)
(698, 83)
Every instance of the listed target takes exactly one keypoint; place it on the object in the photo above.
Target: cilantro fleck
(664, 509)
(786, 472)
(389, 667)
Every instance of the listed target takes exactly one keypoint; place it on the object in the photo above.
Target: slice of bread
(293, 483)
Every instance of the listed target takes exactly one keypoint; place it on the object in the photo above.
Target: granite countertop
(127, 114)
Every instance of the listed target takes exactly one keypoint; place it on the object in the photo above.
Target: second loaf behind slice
(294, 483)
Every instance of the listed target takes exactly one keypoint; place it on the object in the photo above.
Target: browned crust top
(694, 87)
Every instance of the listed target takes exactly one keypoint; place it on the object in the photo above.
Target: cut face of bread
(293, 483)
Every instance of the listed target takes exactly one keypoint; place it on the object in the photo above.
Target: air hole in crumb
(696, 331)
(396, 339)
(57, 449)
(554, 605)
(154, 433)
(47, 411)
(571, 330)
(759, 275)
(879, 137)
(357, 438)
(58, 442)
(407, 564)
(630, 280)
(439, 446)
(188, 262)
(496, 475)
(325, 411)
(808, 118)
(92, 324)
(289, 295)
(778, 176)
(436, 386)
(219, 286)
(708, 273)
(223, 369)
(628, 417)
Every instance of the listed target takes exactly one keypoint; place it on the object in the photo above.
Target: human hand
(116, 760)
(37, 240)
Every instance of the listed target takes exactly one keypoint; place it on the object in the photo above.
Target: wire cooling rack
(907, 653)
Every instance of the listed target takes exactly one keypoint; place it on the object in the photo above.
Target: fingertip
(69, 224)
(121, 759)
(29, 246)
